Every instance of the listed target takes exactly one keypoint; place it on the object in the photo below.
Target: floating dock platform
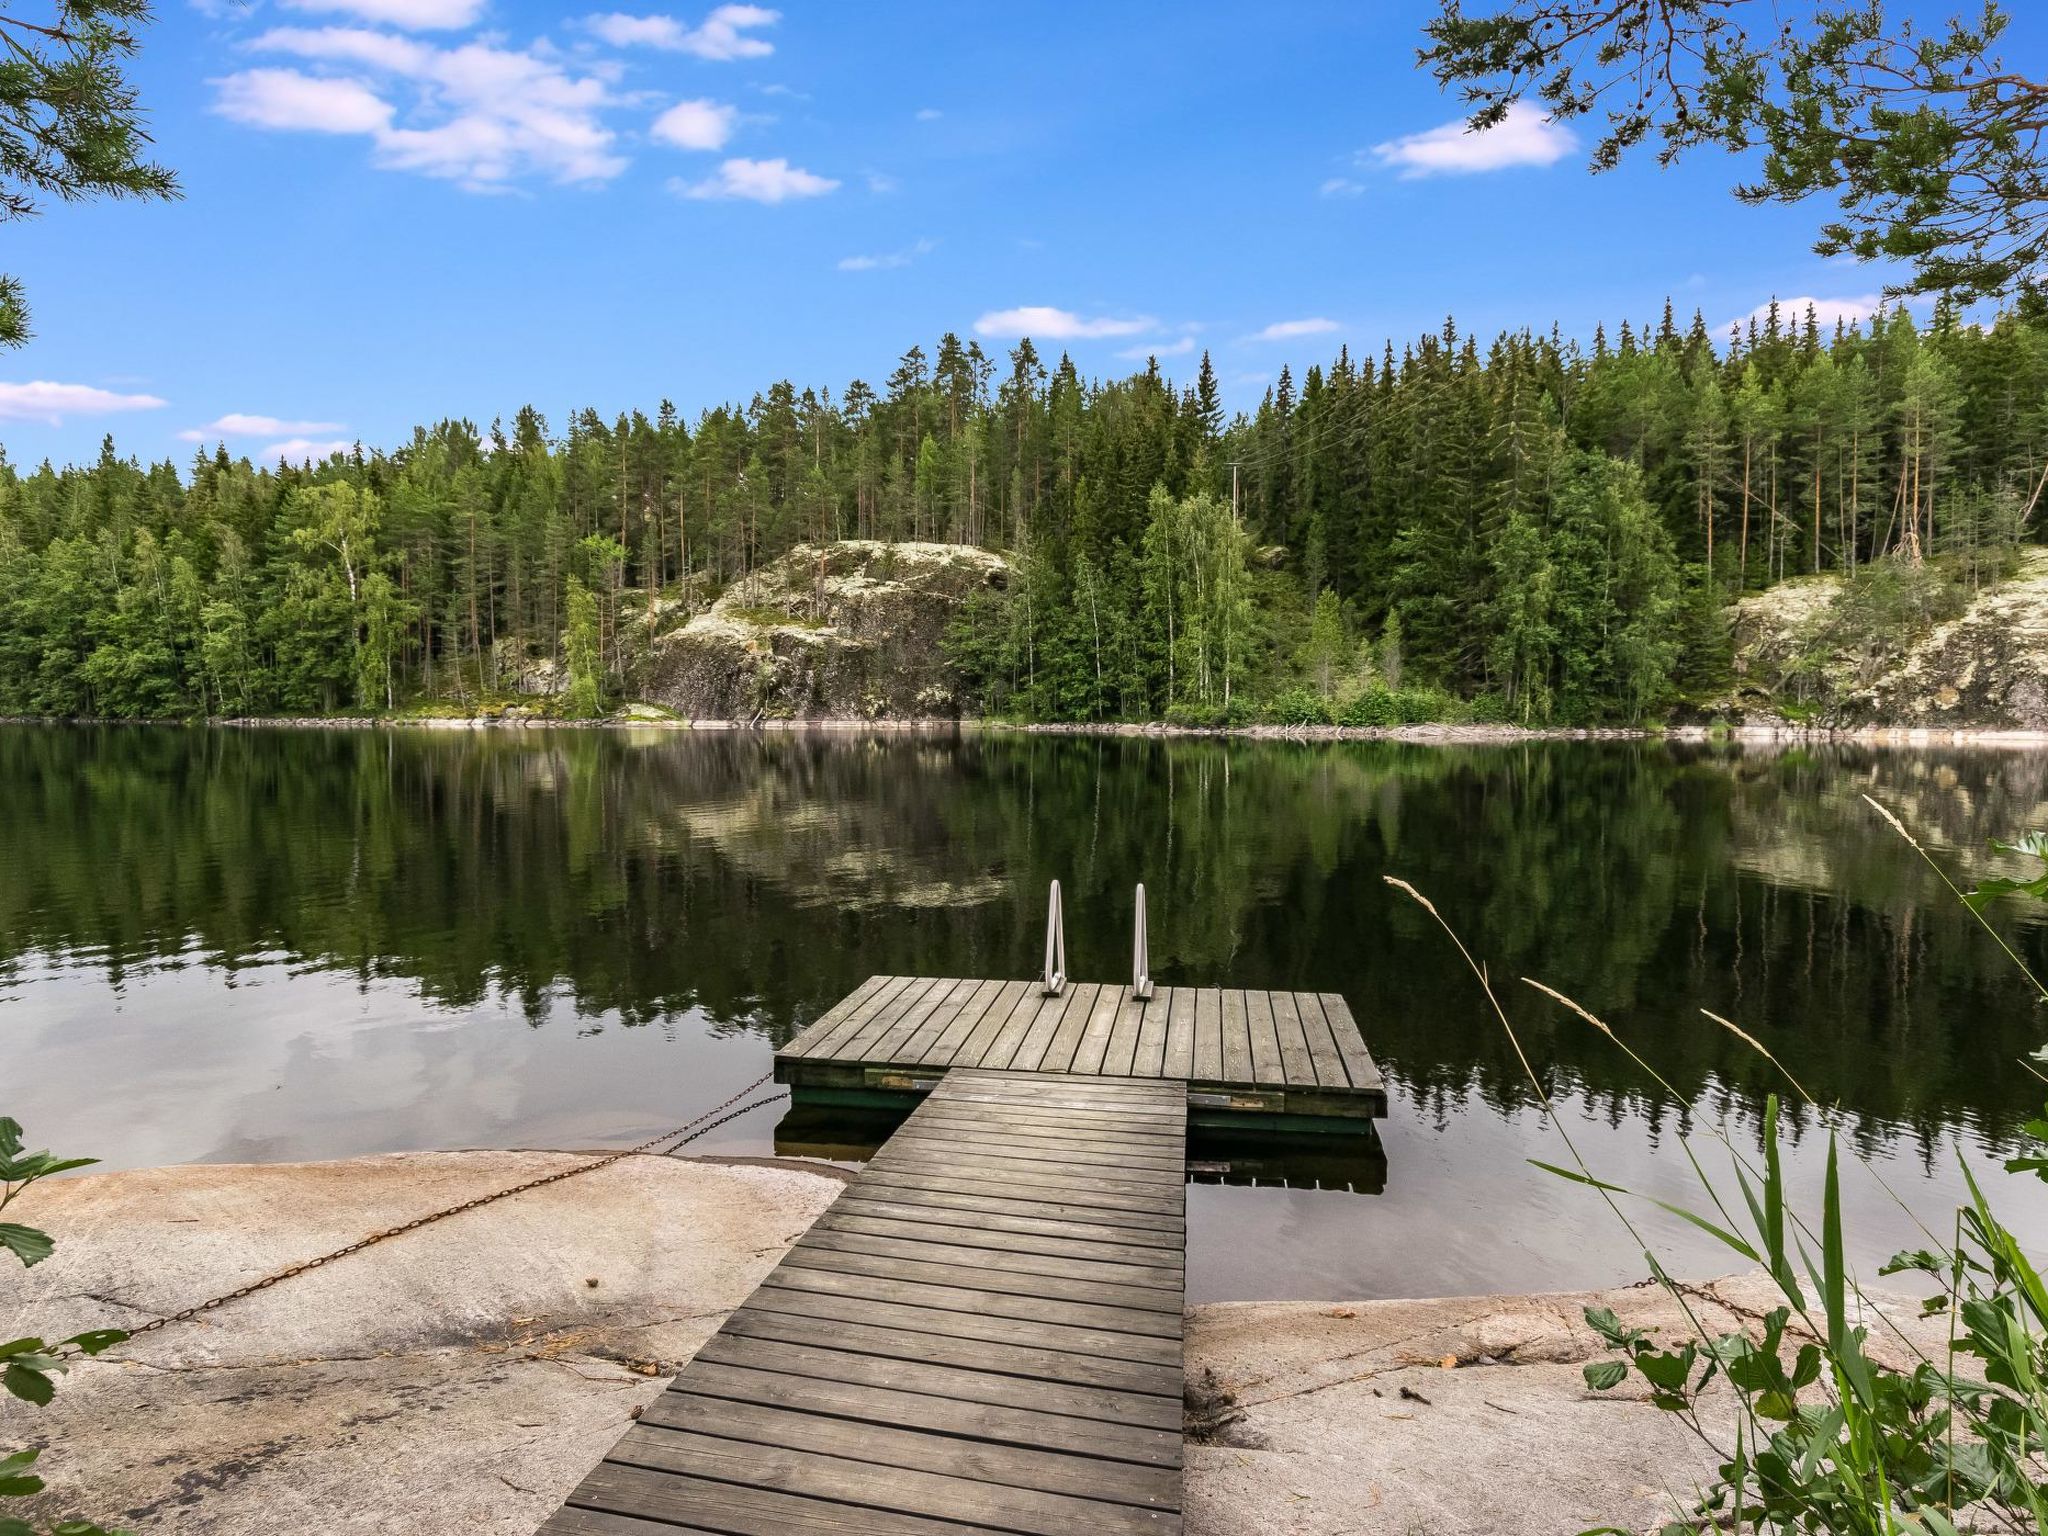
(1250, 1059)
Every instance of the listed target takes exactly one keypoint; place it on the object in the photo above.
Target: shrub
(1298, 706)
(1374, 707)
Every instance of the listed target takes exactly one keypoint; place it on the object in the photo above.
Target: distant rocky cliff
(1983, 664)
(843, 631)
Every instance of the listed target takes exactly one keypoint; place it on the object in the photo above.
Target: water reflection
(275, 944)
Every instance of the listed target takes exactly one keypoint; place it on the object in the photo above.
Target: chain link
(681, 1137)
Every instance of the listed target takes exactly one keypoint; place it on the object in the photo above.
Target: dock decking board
(982, 1335)
(1248, 1051)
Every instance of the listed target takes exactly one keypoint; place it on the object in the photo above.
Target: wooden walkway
(1290, 1055)
(982, 1334)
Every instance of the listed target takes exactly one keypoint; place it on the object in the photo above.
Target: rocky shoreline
(1759, 732)
(461, 1378)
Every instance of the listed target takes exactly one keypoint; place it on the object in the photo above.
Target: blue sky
(397, 210)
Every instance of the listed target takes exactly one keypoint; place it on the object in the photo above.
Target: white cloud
(757, 181)
(1049, 324)
(888, 260)
(696, 124)
(412, 15)
(296, 450)
(723, 35)
(1179, 348)
(241, 424)
(478, 113)
(1287, 330)
(1855, 309)
(929, 114)
(353, 45)
(881, 183)
(41, 400)
(287, 99)
(1524, 137)
(1341, 186)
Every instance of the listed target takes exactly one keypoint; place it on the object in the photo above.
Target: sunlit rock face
(1985, 667)
(845, 631)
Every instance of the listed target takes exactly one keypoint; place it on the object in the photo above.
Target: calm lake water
(274, 945)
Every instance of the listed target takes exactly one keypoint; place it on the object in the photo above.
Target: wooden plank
(827, 1021)
(1135, 1362)
(1140, 1394)
(996, 1216)
(822, 1358)
(1110, 1276)
(1058, 1053)
(1031, 1133)
(1058, 1122)
(831, 1251)
(1164, 1191)
(728, 1508)
(853, 1046)
(1150, 1054)
(1127, 1161)
(1267, 1065)
(914, 1229)
(842, 1280)
(1358, 1062)
(1124, 1031)
(1237, 1040)
(1178, 1054)
(1322, 1048)
(1088, 1053)
(1018, 997)
(1061, 1453)
(836, 1025)
(1022, 1026)
(939, 1004)
(1160, 1213)
(900, 1490)
(1169, 1111)
(1295, 1062)
(952, 1041)
(952, 1022)
(1208, 1054)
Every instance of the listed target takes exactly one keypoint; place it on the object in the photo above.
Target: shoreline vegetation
(1523, 530)
(1442, 733)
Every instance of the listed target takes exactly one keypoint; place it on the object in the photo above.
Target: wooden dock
(1288, 1059)
(983, 1333)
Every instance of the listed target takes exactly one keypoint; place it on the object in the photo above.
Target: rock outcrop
(1987, 667)
(845, 631)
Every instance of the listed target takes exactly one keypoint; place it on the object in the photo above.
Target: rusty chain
(681, 1137)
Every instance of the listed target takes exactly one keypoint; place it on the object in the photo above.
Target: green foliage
(29, 1367)
(585, 700)
(70, 125)
(1931, 147)
(1833, 1440)
(2035, 846)
(1429, 516)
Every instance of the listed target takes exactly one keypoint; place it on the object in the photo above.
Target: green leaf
(26, 1243)
(1603, 1375)
(94, 1340)
(1776, 1404)
(27, 1383)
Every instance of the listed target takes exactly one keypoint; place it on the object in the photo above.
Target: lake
(278, 944)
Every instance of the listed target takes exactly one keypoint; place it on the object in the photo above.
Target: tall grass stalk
(1826, 1438)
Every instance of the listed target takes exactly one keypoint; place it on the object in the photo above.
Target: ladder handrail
(1054, 982)
(1141, 958)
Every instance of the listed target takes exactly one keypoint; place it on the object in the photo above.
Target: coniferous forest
(1525, 529)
